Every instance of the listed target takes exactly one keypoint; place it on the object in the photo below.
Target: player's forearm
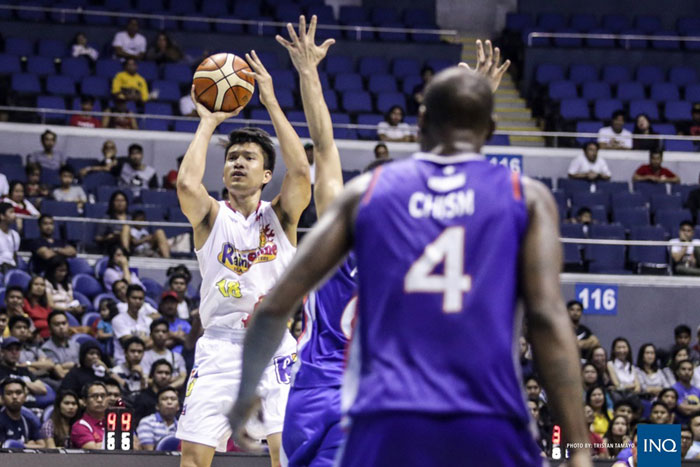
(317, 115)
(292, 150)
(193, 164)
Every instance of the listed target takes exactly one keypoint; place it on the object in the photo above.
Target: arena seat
(51, 48)
(87, 285)
(559, 90)
(572, 251)
(608, 259)
(649, 74)
(19, 46)
(583, 22)
(59, 208)
(630, 90)
(665, 202)
(25, 83)
(592, 90)
(631, 217)
(644, 106)
(41, 66)
(671, 219)
(17, 277)
(648, 256)
(615, 74)
(677, 111)
(169, 443)
(356, 101)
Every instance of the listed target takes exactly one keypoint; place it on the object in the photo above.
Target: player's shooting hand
(238, 417)
(303, 51)
(207, 115)
(261, 75)
(488, 63)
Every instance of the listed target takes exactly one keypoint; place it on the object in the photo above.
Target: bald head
(458, 107)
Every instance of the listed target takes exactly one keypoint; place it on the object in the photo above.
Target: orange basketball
(219, 84)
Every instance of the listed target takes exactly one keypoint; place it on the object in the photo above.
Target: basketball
(220, 85)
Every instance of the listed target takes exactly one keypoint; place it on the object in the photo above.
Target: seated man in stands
(589, 165)
(9, 238)
(134, 319)
(15, 423)
(10, 367)
(129, 43)
(14, 298)
(68, 191)
(653, 172)
(119, 288)
(147, 241)
(162, 423)
(88, 432)
(129, 374)
(48, 157)
(4, 319)
(31, 356)
(586, 339)
(615, 136)
(159, 376)
(86, 120)
(47, 246)
(135, 174)
(688, 395)
(160, 334)
(59, 348)
(179, 328)
(130, 83)
(686, 257)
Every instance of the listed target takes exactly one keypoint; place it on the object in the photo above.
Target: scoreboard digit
(118, 429)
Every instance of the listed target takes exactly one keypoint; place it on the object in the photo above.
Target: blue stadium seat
(97, 179)
(152, 124)
(76, 68)
(52, 102)
(95, 86)
(409, 84)
(17, 277)
(331, 98)
(679, 145)
(649, 74)
(644, 106)
(666, 44)
(215, 8)
(353, 14)
(683, 190)
(574, 109)
(387, 100)
(548, 72)
(630, 90)
(665, 128)
(560, 199)
(612, 187)
(401, 67)
(183, 7)
(598, 213)
(606, 258)
(246, 10)
(671, 219)
(665, 202)
(583, 22)
(616, 23)
(298, 120)
(108, 68)
(87, 285)
(186, 126)
(177, 72)
(615, 74)
(163, 198)
(439, 64)
(647, 189)
(583, 198)
(285, 97)
(228, 28)
(342, 133)
(196, 24)
(519, 21)
(600, 42)
(664, 92)
(384, 15)
(593, 90)
(551, 22)
(153, 288)
(9, 64)
(677, 111)
(571, 185)
(79, 266)
(11, 159)
(683, 75)
(52, 48)
(587, 127)
(339, 64)
(562, 90)
(41, 66)
(60, 85)
(158, 108)
(568, 41)
(604, 108)
(648, 255)
(150, 6)
(50, 177)
(583, 73)
(169, 443)
(149, 70)
(14, 172)
(382, 83)
(396, 36)
(19, 46)
(688, 25)
(348, 82)
(167, 91)
(373, 65)
(627, 201)
(631, 217)
(60, 15)
(25, 83)
(369, 119)
(283, 79)
(633, 43)
(356, 101)
(572, 251)
(648, 24)
(692, 92)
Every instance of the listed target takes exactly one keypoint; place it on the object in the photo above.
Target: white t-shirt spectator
(394, 132)
(75, 194)
(678, 247)
(606, 135)
(9, 245)
(175, 359)
(131, 45)
(80, 50)
(4, 186)
(581, 164)
(124, 325)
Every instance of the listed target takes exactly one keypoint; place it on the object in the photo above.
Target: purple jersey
(328, 315)
(437, 241)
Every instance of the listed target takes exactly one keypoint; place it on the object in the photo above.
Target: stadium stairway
(511, 109)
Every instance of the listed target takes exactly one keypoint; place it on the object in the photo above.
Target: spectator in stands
(533, 389)
(159, 378)
(589, 165)
(599, 358)
(597, 447)
(47, 246)
(48, 157)
(30, 356)
(81, 48)
(56, 429)
(129, 44)
(4, 185)
(170, 179)
(678, 354)
(19, 202)
(591, 376)
(651, 378)
(615, 136)
(108, 236)
(4, 319)
(16, 423)
(179, 328)
(669, 397)
(426, 75)
(36, 304)
(68, 191)
(691, 128)
(133, 322)
(88, 431)
(60, 349)
(178, 284)
(686, 257)
(14, 299)
(108, 162)
(130, 83)
(34, 190)
(586, 339)
(87, 119)
(92, 367)
(135, 174)
(659, 414)
(621, 367)
(146, 241)
(687, 439)
(11, 368)
(688, 395)
(119, 116)
(393, 128)
(157, 426)
(596, 398)
(118, 268)
(625, 408)
(9, 238)
(642, 126)
(163, 50)
(653, 172)
(103, 326)
(160, 334)
(119, 288)
(114, 392)
(59, 291)
(381, 151)
(694, 425)
(129, 374)
(681, 337)
(617, 435)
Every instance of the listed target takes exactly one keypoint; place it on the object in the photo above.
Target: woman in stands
(393, 128)
(36, 305)
(22, 206)
(59, 290)
(599, 359)
(617, 435)
(591, 377)
(621, 368)
(118, 268)
(596, 398)
(669, 397)
(109, 235)
(56, 430)
(642, 126)
(163, 50)
(81, 48)
(678, 354)
(650, 376)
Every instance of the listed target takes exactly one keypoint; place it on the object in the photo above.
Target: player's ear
(267, 176)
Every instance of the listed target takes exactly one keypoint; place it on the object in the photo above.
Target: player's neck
(246, 204)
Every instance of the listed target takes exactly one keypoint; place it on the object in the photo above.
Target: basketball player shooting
(242, 244)
(444, 242)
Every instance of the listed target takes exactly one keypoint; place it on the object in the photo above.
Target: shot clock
(118, 429)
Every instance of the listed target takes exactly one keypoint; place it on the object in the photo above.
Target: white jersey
(240, 262)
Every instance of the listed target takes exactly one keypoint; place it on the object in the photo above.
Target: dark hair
(616, 442)
(640, 357)
(46, 133)
(617, 113)
(11, 380)
(158, 322)
(60, 435)
(678, 365)
(257, 136)
(133, 340)
(165, 389)
(112, 382)
(45, 216)
(112, 306)
(67, 168)
(13, 184)
(50, 275)
(622, 402)
(134, 288)
(583, 210)
(156, 364)
(180, 269)
(16, 319)
(86, 347)
(427, 68)
(571, 303)
(55, 313)
(391, 109)
(681, 329)
(13, 288)
(135, 148)
(86, 98)
(177, 275)
(661, 404)
(42, 300)
(629, 349)
(686, 222)
(531, 378)
(86, 387)
(75, 38)
(637, 131)
(380, 145)
(588, 143)
(675, 350)
(137, 213)
(376, 163)
(588, 399)
(658, 151)
(110, 205)
(112, 251)
(116, 282)
(664, 391)
(32, 167)
(4, 207)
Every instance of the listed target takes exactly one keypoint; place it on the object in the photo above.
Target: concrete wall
(483, 17)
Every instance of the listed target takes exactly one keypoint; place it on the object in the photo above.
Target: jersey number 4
(452, 284)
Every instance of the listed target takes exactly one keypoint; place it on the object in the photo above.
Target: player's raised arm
(195, 201)
(323, 249)
(306, 56)
(554, 344)
(296, 186)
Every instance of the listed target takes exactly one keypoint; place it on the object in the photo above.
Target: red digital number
(111, 421)
(556, 435)
(126, 421)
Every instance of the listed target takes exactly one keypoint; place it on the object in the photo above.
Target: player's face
(69, 407)
(168, 405)
(134, 354)
(659, 415)
(161, 376)
(244, 170)
(13, 396)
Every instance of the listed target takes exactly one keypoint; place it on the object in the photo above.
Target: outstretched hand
(487, 63)
(206, 114)
(262, 76)
(303, 51)
(238, 417)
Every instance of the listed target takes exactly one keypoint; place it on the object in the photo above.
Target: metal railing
(625, 38)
